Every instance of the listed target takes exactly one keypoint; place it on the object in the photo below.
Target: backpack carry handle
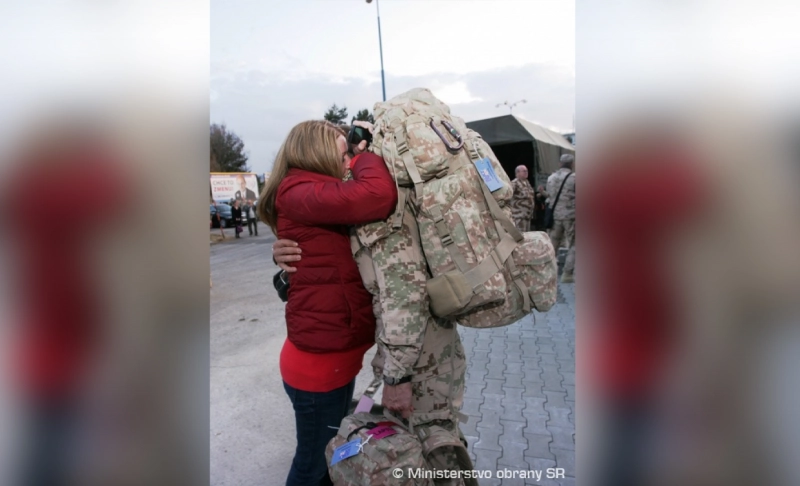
(453, 132)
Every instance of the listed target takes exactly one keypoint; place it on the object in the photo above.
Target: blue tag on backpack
(485, 169)
(346, 450)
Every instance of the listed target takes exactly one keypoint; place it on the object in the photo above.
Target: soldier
(419, 356)
(563, 230)
(522, 200)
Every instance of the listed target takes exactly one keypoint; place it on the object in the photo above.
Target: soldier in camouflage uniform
(522, 200)
(412, 344)
(563, 231)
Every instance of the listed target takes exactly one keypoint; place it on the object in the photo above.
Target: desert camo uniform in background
(563, 231)
(522, 204)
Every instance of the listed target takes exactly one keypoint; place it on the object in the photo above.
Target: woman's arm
(370, 196)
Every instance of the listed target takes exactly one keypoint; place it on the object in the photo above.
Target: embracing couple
(321, 186)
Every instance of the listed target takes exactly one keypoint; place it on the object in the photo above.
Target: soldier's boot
(567, 278)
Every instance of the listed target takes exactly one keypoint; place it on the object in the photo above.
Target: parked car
(225, 216)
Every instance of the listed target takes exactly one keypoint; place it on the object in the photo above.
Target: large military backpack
(485, 272)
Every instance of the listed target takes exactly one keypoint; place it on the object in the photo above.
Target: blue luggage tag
(485, 169)
(346, 450)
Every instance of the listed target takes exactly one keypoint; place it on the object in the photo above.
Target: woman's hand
(285, 252)
(360, 148)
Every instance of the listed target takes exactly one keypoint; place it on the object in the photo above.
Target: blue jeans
(317, 417)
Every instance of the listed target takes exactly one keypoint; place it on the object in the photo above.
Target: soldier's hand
(285, 252)
(398, 399)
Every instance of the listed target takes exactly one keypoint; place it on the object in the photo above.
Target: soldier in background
(522, 200)
(563, 230)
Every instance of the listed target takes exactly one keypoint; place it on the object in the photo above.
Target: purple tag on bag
(364, 405)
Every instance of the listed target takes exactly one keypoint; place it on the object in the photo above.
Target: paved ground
(520, 392)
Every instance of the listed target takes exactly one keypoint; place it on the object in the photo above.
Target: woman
(329, 312)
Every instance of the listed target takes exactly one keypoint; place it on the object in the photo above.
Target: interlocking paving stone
(565, 459)
(513, 430)
(513, 453)
(539, 446)
(560, 417)
(492, 402)
(555, 399)
(493, 387)
(520, 394)
(490, 418)
(488, 438)
(563, 437)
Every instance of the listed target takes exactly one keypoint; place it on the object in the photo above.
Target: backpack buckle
(402, 147)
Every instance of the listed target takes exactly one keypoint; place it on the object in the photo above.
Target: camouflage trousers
(431, 397)
(563, 234)
(438, 395)
(523, 224)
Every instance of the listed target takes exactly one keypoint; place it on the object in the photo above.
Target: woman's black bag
(281, 283)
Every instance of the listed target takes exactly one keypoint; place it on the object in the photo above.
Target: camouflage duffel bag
(381, 446)
(372, 449)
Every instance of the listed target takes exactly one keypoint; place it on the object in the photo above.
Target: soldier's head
(521, 172)
(568, 161)
(316, 146)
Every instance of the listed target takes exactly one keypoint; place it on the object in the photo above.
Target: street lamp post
(380, 45)
(511, 105)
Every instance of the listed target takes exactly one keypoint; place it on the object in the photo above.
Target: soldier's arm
(402, 276)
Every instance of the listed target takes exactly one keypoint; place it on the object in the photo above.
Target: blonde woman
(329, 319)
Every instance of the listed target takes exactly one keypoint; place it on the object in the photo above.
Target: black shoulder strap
(560, 189)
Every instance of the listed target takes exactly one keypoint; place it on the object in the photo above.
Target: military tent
(519, 142)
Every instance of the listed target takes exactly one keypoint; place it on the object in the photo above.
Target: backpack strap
(511, 230)
(492, 264)
(560, 189)
(447, 239)
(404, 153)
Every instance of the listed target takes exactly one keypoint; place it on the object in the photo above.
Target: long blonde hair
(311, 146)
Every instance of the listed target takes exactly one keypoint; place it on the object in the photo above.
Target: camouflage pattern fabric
(378, 457)
(466, 234)
(410, 340)
(563, 234)
(565, 209)
(522, 204)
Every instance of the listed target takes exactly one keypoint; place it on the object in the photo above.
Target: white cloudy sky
(275, 63)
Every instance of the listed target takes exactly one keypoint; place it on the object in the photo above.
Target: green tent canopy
(519, 142)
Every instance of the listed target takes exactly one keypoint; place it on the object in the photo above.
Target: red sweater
(329, 311)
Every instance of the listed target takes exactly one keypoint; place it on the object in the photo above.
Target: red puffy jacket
(328, 308)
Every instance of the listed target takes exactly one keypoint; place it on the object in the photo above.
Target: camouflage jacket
(566, 202)
(522, 199)
(410, 340)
